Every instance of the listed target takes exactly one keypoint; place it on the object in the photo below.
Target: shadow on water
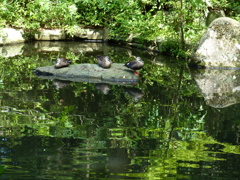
(174, 123)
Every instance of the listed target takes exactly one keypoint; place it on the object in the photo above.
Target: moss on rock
(117, 74)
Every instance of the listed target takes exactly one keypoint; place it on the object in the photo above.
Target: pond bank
(13, 36)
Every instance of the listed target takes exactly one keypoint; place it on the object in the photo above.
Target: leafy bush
(39, 14)
(128, 20)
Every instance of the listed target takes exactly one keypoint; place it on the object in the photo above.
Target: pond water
(164, 127)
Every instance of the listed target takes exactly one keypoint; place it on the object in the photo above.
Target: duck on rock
(61, 62)
(135, 65)
(104, 61)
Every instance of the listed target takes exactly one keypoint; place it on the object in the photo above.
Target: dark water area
(164, 127)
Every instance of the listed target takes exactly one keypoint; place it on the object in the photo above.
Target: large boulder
(220, 45)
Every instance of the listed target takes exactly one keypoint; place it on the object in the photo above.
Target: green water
(160, 128)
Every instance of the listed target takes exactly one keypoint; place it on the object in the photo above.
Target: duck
(61, 62)
(104, 61)
(135, 64)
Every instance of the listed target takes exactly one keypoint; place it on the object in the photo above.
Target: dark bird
(61, 62)
(104, 61)
(135, 65)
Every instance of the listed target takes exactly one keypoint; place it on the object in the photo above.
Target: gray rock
(220, 45)
(117, 74)
(48, 35)
(10, 36)
(59, 34)
(97, 34)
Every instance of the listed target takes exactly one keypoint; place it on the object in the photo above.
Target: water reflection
(13, 50)
(220, 88)
(103, 87)
(135, 93)
(78, 47)
(61, 84)
(160, 128)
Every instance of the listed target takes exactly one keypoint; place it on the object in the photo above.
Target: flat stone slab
(117, 74)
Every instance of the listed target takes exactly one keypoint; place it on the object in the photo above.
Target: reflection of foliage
(1, 169)
(168, 24)
(160, 85)
(164, 128)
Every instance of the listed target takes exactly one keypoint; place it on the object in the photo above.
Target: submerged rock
(220, 45)
(117, 74)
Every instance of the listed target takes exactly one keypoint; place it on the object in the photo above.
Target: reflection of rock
(135, 93)
(58, 34)
(73, 46)
(61, 84)
(219, 46)
(103, 87)
(220, 88)
(13, 50)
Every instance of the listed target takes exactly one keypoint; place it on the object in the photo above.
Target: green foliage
(39, 14)
(233, 9)
(179, 22)
(172, 48)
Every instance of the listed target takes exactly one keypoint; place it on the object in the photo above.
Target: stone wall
(12, 36)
